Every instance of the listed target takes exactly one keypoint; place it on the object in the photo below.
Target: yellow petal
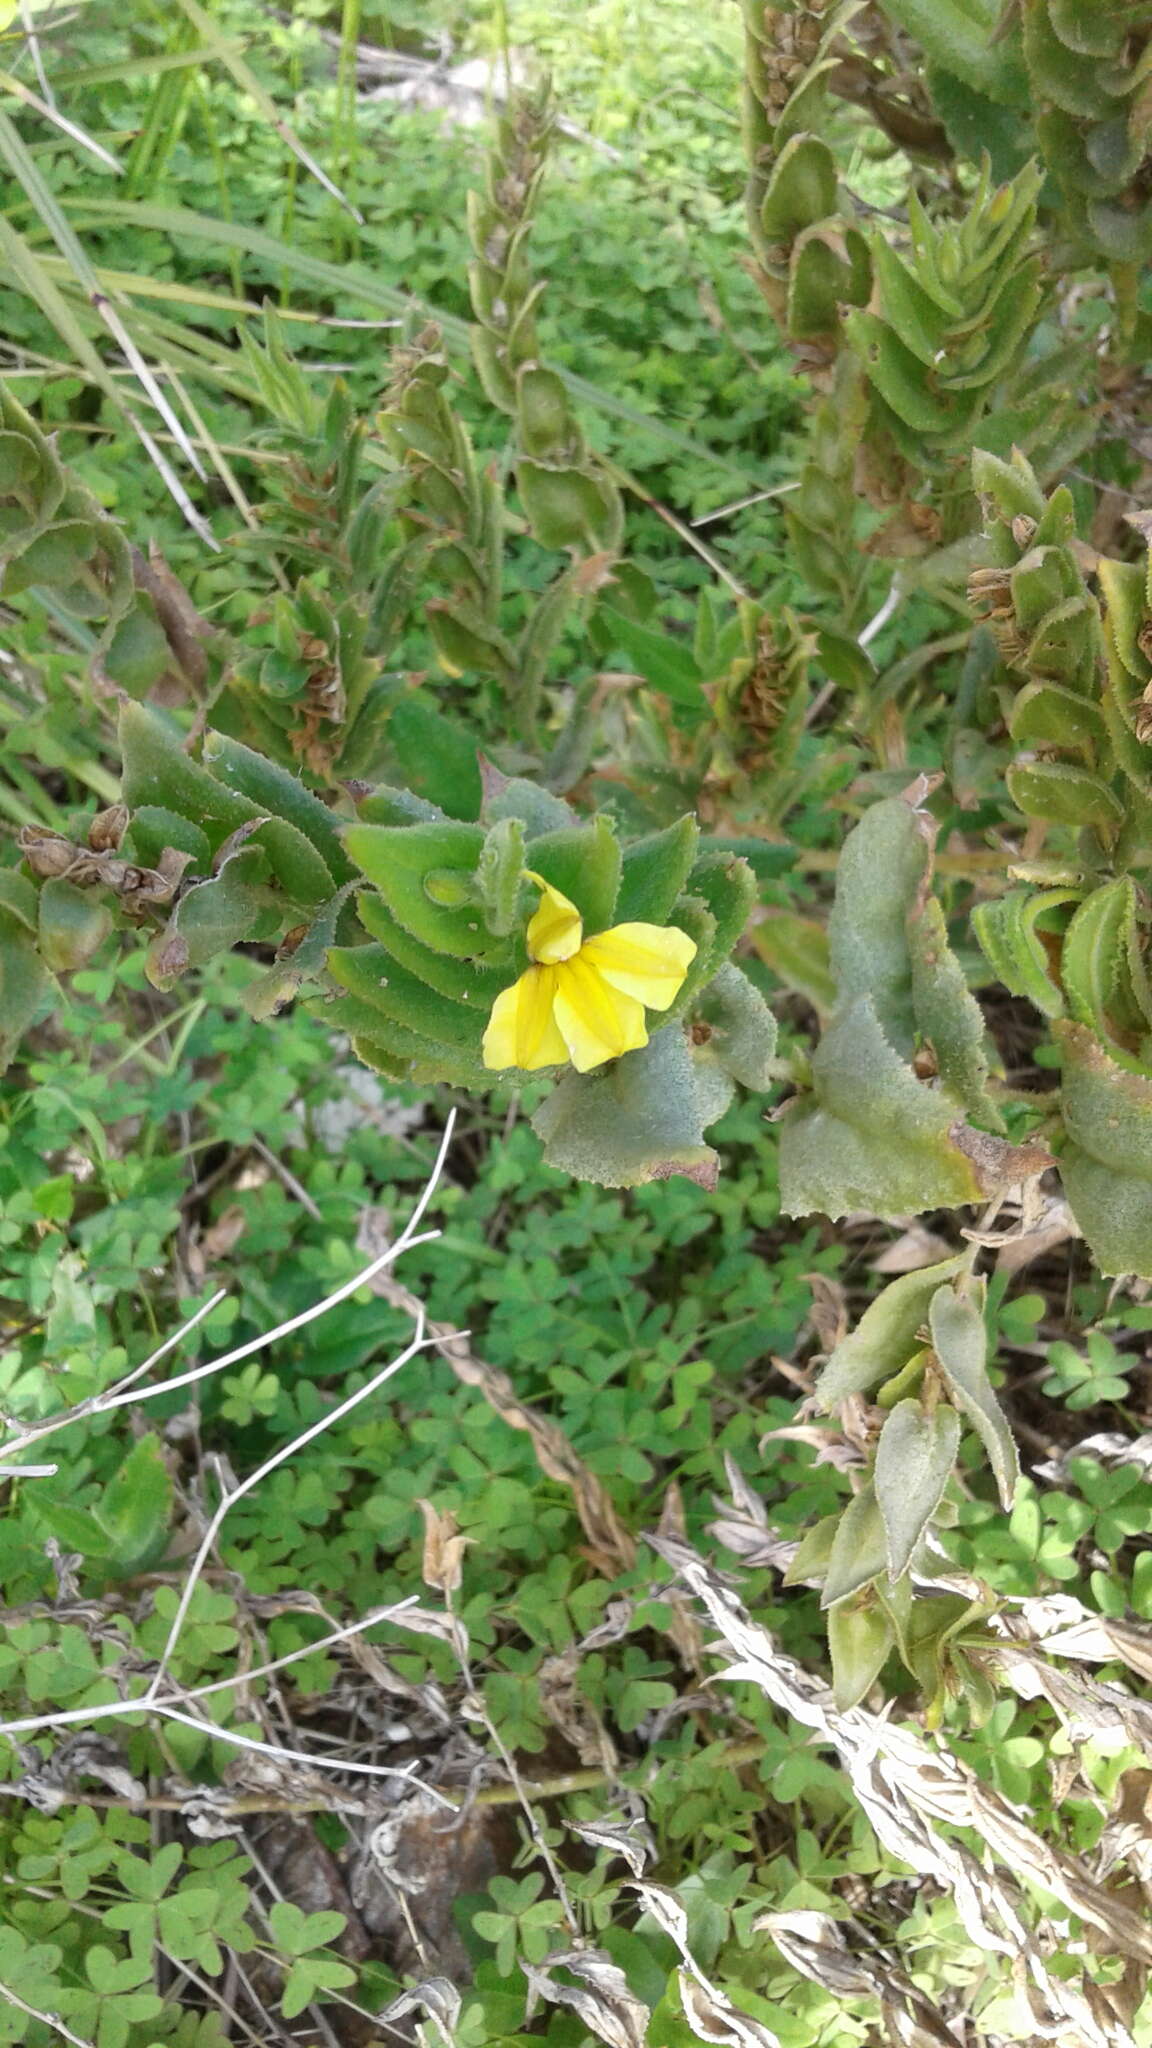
(556, 930)
(648, 961)
(597, 1022)
(522, 1028)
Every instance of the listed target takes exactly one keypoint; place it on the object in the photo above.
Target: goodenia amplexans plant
(919, 1355)
(319, 806)
(408, 918)
(414, 855)
(958, 330)
(1072, 934)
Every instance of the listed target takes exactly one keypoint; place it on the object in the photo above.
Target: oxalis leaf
(914, 1459)
(960, 1342)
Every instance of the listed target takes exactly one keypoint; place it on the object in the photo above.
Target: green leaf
(859, 1550)
(462, 981)
(210, 918)
(914, 1460)
(399, 860)
(296, 1933)
(138, 653)
(1102, 966)
(767, 858)
(543, 412)
(809, 1565)
(899, 378)
(1107, 1165)
(948, 1016)
(387, 806)
(294, 863)
(24, 982)
(153, 830)
(157, 771)
(76, 1528)
(58, 556)
(742, 1040)
(264, 786)
(726, 887)
(801, 188)
(1045, 715)
(1059, 75)
(1012, 932)
(882, 870)
(872, 1136)
(667, 664)
(438, 758)
(1064, 795)
(584, 863)
(960, 1342)
(819, 283)
(655, 870)
(500, 875)
(860, 1637)
(135, 1505)
(74, 924)
(633, 1121)
(933, 1622)
(796, 950)
(887, 1335)
(976, 124)
(1010, 487)
(376, 978)
(310, 1975)
(961, 36)
(916, 316)
(20, 898)
(304, 962)
(537, 809)
(568, 506)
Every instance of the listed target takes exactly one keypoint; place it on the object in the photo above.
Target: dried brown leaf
(571, 1711)
(713, 2017)
(441, 1565)
(916, 1247)
(828, 1314)
(913, 1794)
(601, 1998)
(630, 1839)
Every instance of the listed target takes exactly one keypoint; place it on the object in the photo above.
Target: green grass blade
(24, 168)
(136, 69)
(28, 98)
(246, 79)
(353, 281)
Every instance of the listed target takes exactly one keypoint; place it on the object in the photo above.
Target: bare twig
(49, 2019)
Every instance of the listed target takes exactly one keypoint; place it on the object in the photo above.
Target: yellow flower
(584, 999)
